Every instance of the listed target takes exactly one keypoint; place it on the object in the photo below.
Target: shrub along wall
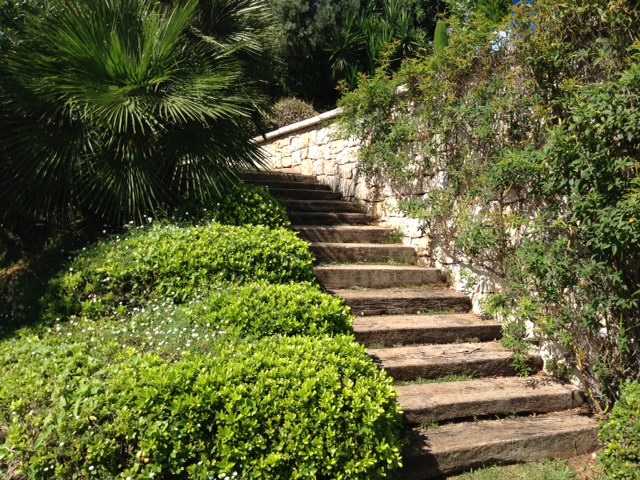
(518, 155)
(510, 159)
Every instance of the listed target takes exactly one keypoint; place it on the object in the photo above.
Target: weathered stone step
(376, 276)
(344, 233)
(288, 185)
(305, 194)
(330, 218)
(322, 206)
(273, 176)
(462, 446)
(362, 252)
(398, 301)
(438, 402)
(411, 329)
(486, 359)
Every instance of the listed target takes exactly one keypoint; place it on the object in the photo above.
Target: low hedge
(175, 263)
(240, 205)
(278, 408)
(620, 434)
(250, 311)
(261, 309)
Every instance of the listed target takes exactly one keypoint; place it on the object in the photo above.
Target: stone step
(321, 206)
(398, 301)
(438, 402)
(376, 276)
(457, 447)
(436, 329)
(273, 176)
(288, 185)
(305, 194)
(362, 252)
(331, 218)
(486, 359)
(344, 233)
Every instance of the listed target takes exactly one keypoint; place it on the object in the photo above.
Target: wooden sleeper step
(362, 252)
(438, 402)
(485, 359)
(305, 194)
(399, 301)
(393, 330)
(321, 206)
(457, 447)
(330, 218)
(344, 233)
(274, 176)
(288, 184)
(376, 276)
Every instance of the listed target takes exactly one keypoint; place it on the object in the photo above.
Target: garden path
(463, 403)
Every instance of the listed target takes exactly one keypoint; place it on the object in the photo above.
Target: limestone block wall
(311, 147)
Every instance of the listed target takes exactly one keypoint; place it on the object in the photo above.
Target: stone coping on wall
(294, 127)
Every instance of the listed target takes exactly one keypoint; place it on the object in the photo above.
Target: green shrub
(620, 433)
(176, 264)
(254, 310)
(280, 408)
(239, 205)
(291, 110)
(261, 309)
(539, 142)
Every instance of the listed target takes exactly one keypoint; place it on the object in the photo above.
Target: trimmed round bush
(278, 408)
(291, 110)
(620, 433)
(174, 263)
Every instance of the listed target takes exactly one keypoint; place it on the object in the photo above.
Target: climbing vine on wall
(525, 137)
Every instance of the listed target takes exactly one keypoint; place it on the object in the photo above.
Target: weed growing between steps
(545, 470)
(193, 352)
(447, 378)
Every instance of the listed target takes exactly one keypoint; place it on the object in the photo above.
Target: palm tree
(114, 108)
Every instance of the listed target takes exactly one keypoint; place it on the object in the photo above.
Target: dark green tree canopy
(113, 108)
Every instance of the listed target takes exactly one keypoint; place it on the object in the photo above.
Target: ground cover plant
(275, 408)
(203, 354)
(177, 263)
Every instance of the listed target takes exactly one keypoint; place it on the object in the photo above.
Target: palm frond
(114, 107)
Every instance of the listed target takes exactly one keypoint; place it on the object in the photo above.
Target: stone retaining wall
(311, 147)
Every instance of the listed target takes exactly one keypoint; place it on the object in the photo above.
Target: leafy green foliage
(239, 205)
(343, 38)
(113, 109)
(440, 37)
(287, 111)
(260, 309)
(527, 148)
(25, 282)
(621, 435)
(177, 264)
(277, 408)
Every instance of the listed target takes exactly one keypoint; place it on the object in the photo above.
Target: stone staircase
(462, 402)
